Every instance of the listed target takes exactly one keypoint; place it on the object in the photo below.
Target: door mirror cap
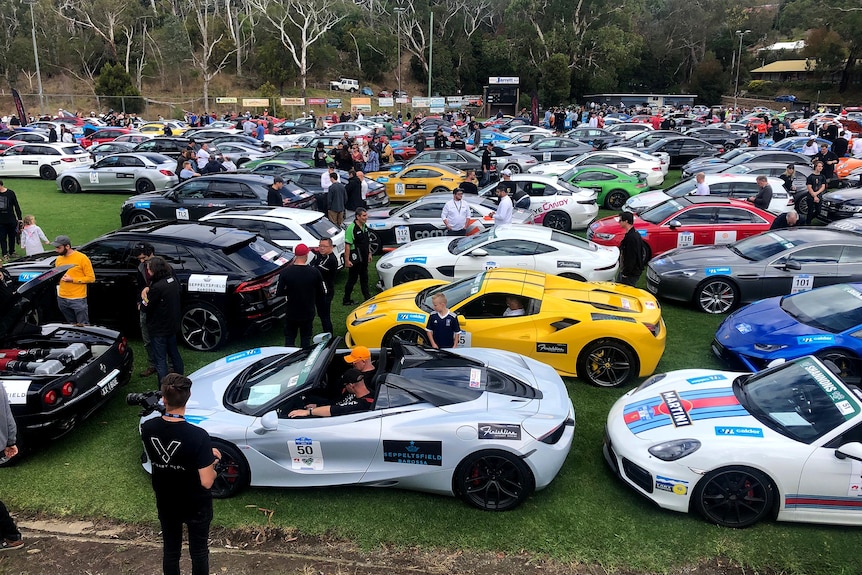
(675, 224)
(478, 253)
(269, 422)
(792, 265)
(851, 450)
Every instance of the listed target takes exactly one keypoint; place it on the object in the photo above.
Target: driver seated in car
(514, 306)
(357, 397)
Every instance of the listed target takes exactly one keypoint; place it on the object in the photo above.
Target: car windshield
(681, 189)
(322, 228)
(461, 245)
(741, 158)
(765, 245)
(800, 400)
(455, 292)
(832, 308)
(72, 150)
(573, 240)
(661, 212)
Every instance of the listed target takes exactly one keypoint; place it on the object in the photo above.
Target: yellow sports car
(418, 180)
(604, 333)
(158, 128)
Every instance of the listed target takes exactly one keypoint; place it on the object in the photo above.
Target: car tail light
(258, 284)
(50, 397)
(68, 389)
(656, 168)
(167, 173)
(68, 159)
(556, 434)
(654, 328)
(121, 347)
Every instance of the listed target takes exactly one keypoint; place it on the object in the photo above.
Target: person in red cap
(301, 284)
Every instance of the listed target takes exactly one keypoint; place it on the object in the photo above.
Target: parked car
(100, 151)
(229, 279)
(56, 375)
(682, 149)
(42, 160)
(309, 180)
(129, 172)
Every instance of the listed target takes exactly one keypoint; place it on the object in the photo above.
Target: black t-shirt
(319, 158)
(486, 159)
(10, 211)
(816, 181)
(273, 197)
(177, 450)
(328, 267)
(302, 284)
(631, 253)
(469, 187)
(163, 307)
(788, 181)
(352, 404)
(828, 169)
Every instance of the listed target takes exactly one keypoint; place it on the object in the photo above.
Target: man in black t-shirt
(303, 285)
(357, 397)
(273, 192)
(829, 159)
(816, 185)
(487, 154)
(326, 263)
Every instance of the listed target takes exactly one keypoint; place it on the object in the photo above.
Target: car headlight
(361, 320)
(768, 347)
(384, 265)
(676, 449)
(651, 380)
(603, 236)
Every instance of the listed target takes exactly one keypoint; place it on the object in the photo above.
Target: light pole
(399, 11)
(36, 56)
(739, 33)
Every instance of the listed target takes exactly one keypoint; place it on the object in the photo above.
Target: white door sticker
(182, 214)
(402, 234)
(802, 282)
(306, 455)
(464, 339)
(684, 239)
(399, 189)
(727, 237)
(94, 177)
(208, 283)
(546, 156)
(16, 391)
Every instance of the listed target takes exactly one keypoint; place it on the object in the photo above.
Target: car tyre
(616, 199)
(232, 472)
(734, 496)
(70, 185)
(144, 185)
(203, 327)
(440, 190)
(718, 295)
(47, 173)
(139, 217)
(409, 274)
(514, 168)
(558, 221)
(493, 480)
(607, 363)
(374, 243)
(846, 362)
(408, 333)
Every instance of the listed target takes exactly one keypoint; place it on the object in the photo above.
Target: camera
(148, 402)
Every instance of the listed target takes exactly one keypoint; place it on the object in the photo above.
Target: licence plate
(109, 382)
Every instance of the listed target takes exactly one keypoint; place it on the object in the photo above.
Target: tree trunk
(848, 69)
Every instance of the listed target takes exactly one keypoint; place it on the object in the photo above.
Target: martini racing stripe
(698, 405)
(801, 501)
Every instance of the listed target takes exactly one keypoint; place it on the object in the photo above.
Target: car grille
(639, 476)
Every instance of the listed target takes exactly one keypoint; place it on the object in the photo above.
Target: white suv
(345, 84)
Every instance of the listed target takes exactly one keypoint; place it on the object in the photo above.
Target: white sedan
(513, 246)
(623, 160)
(42, 160)
(352, 128)
(629, 129)
(554, 203)
(740, 448)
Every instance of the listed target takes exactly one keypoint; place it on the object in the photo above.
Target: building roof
(787, 66)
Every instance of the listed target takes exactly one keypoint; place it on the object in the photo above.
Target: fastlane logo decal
(542, 347)
(509, 431)
(697, 404)
(676, 409)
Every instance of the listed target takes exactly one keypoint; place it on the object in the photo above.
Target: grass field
(585, 516)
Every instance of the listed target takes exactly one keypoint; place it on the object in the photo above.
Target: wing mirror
(479, 253)
(675, 224)
(792, 265)
(269, 422)
(851, 450)
(406, 216)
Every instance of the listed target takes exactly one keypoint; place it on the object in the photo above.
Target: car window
(738, 216)
(594, 176)
(393, 396)
(226, 190)
(131, 162)
(109, 162)
(510, 248)
(280, 232)
(493, 305)
(193, 189)
(851, 255)
(697, 216)
(818, 255)
(426, 210)
(535, 189)
(109, 254)
(724, 189)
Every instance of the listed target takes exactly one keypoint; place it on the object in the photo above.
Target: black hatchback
(229, 279)
(199, 196)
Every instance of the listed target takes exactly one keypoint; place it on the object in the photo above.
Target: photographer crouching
(183, 462)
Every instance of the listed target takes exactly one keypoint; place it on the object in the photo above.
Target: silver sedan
(240, 153)
(137, 172)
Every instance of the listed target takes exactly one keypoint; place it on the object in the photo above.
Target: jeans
(145, 336)
(358, 271)
(324, 305)
(74, 310)
(8, 233)
(813, 210)
(172, 537)
(305, 327)
(164, 346)
(8, 530)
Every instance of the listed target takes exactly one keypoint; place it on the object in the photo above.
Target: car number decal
(546, 156)
(402, 235)
(94, 177)
(685, 239)
(465, 339)
(801, 283)
(305, 454)
(16, 390)
(109, 382)
(207, 283)
(568, 264)
(182, 214)
(399, 189)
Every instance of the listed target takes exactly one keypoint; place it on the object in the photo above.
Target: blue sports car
(826, 322)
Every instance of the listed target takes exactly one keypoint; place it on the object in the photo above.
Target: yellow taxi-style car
(418, 180)
(158, 128)
(602, 332)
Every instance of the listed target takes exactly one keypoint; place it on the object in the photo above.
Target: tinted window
(818, 255)
(250, 256)
(322, 228)
(833, 308)
(696, 217)
(851, 255)
(737, 216)
(108, 254)
(280, 231)
(511, 248)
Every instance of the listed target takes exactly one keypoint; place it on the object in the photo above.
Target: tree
(555, 79)
(708, 80)
(210, 57)
(115, 82)
(310, 19)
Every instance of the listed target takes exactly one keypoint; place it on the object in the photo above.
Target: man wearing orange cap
(360, 358)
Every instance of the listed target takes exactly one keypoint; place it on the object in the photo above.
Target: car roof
(214, 235)
(297, 215)
(56, 145)
(522, 232)
(247, 177)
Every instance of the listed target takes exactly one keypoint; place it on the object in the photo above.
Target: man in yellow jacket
(72, 290)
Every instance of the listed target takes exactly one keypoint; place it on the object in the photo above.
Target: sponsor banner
(316, 101)
(292, 101)
(19, 105)
(437, 109)
(675, 408)
(333, 102)
(413, 317)
(386, 102)
(421, 102)
(438, 102)
(506, 431)
(413, 452)
(504, 80)
(706, 378)
(675, 486)
(226, 100)
(255, 102)
(402, 100)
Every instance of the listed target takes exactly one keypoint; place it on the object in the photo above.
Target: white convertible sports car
(738, 448)
(513, 246)
(485, 425)
(554, 203)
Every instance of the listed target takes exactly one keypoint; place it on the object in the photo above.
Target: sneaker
(9, 545)
(148, 372)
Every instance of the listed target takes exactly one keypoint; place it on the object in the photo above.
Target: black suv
(199, 196)
(165, 145)
(229, 279)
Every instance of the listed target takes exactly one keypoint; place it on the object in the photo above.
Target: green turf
(585, 516)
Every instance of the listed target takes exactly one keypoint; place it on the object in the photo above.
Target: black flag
(19, 105)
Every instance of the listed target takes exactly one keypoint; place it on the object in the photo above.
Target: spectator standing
(503, 213)
(631, 252)
(336, 199)
(439, 139)
(325, 182)
(856, 150)
(32, 237)
(273, 192)
(319, 156)
(372, 164)
(829, 159)
(72, 290)
(259, 132)
(470, 185)
(303, 286)
(52, 134)
(357, 255)
(840, 145)
(161, 304)
(66, 135)
(455, 213)
(810, 148)
(184, 469)
(816, 185)
(487, 154)
(442, 327)
(213, 166)
(203, 156)
(764, 194)
(701, 188)
(354, 192)
(326, 262)
(10, 536)
(787, 177)
(144, 252)
(10, 215)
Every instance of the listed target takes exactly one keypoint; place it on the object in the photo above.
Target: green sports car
(616, 186)
(304, 155)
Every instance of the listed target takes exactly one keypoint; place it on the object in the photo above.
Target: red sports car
(103, 135)
(687, 221)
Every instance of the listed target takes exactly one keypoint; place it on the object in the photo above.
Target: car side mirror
(851, 450)
(792, 265)
(462, 321)
(479, 253)
(269, 422)
(675, 224)
(406, 216)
